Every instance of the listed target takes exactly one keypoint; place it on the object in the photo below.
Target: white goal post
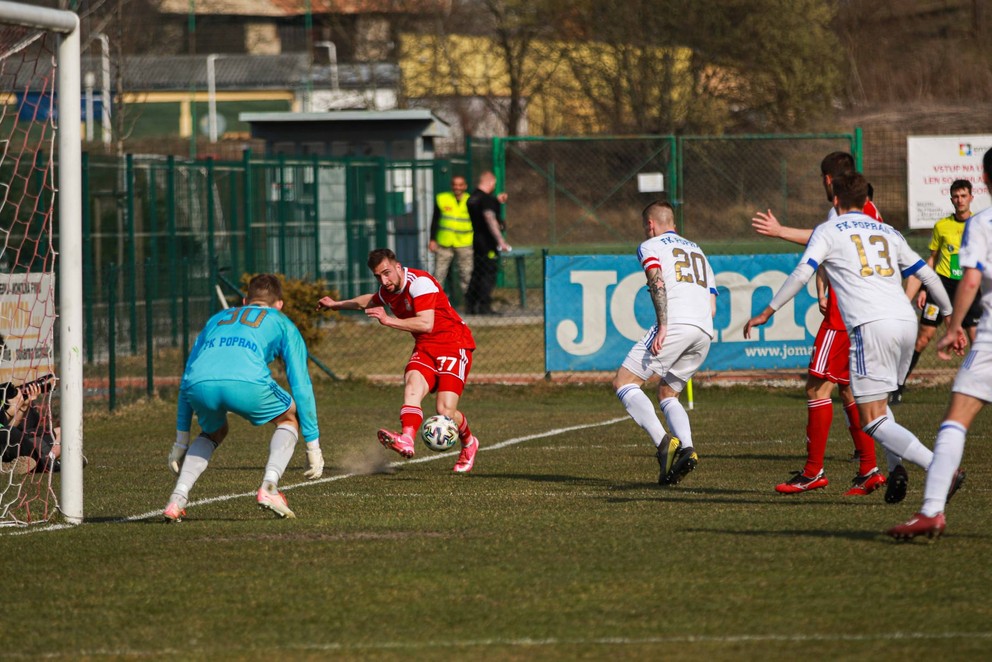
(70, 254)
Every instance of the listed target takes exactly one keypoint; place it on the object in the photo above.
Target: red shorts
(831, 356)
(444, 370)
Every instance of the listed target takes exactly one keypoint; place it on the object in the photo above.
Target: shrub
(300, 304)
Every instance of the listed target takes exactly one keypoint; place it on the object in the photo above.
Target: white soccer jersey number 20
(690, 267)
(882, 252)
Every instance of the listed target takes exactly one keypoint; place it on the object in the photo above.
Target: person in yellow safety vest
(451, 234)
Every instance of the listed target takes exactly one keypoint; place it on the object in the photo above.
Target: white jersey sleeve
(976, 253)
(688, 276)
(865, 261)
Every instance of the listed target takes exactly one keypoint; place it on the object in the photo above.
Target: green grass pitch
(559, 546)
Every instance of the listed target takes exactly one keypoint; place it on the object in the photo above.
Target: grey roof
(359, 75)
(436, 126)
(242, 72)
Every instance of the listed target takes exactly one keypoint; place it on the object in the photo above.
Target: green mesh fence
(568, 194)
(580, 194)
(168, 239)
(166, 242)
(725, 180)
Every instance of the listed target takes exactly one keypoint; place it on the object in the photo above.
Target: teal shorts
(256, 403)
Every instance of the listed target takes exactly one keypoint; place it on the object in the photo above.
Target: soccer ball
(439, 433)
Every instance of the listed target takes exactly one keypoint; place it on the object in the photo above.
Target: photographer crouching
(28, 439)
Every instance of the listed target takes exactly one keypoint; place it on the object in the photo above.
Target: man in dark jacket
(484, 209)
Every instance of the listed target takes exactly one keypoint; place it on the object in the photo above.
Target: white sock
(280, 453)
(197, 458)
(678, 420)
(947, 452)
(891, 459)
(898, 440)
(639, 406)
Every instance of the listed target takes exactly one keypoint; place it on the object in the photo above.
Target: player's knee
(218, 435)
(447, 410)
(288, 417)
(625, 377)
(818, 388)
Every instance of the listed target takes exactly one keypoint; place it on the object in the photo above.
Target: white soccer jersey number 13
(882, 265)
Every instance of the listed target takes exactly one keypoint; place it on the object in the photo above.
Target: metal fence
(571, 194)
(580, 192)
(161, 235)
(166, 238)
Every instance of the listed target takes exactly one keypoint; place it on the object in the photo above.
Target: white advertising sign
(933, 163)
(27, 324)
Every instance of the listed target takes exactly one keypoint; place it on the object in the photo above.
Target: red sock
(464, 434)
(410, 418)
(819, 415)
(863, 444)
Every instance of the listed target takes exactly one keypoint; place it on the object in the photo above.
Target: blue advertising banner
(597, 307)
(39, 106)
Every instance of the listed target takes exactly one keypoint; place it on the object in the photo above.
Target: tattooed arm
(659, 297)
(493, 223)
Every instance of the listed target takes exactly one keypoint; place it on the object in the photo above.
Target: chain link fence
(167, 240)
(569, 194)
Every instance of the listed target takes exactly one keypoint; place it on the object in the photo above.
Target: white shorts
(684, 350)
(880, 355)
(975, 376)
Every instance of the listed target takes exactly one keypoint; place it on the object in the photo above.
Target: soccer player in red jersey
(829, 365)
(442, 350)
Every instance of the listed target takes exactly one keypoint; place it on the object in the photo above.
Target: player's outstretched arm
(935, 290)
(358, 303)
(766, 224)
(422, 322)
(758, 320)
(790, 288)
(914, 291)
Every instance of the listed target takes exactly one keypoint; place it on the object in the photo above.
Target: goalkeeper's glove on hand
(315, 458)
(178, 452)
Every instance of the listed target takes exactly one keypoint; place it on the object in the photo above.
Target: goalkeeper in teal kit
(228, 371)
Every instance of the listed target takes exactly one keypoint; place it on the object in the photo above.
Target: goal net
(41, 470)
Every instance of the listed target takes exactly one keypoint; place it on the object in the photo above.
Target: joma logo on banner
(597, 307)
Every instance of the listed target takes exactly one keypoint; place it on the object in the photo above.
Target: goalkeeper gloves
(315, 458)
(178, 452)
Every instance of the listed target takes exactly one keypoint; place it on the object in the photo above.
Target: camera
(46, 382)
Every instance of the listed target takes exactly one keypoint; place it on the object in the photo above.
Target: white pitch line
(536, 643)
(638, 641)
(331, 479)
